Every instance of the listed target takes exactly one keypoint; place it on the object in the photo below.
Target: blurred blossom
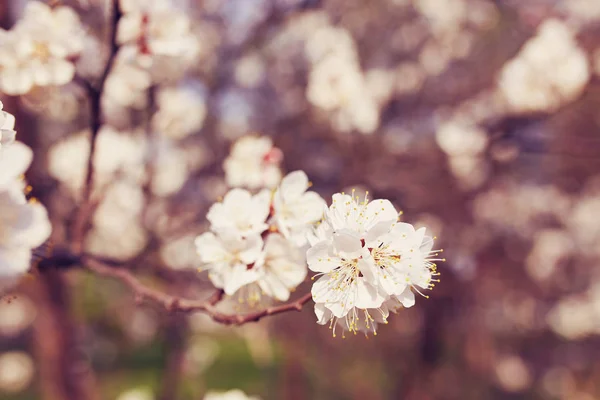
(38, 50)
(470, 172)
(456, 138)
(576, 317)
(16, 371)
(513, 374)
(181, 112)
(253, 162)
(551, 247)
(155, 28)
(180, 253)
(201, 354)
(142, 326)
(250, 71)
(116, 153)
(127, 83)
(170, 168)
(550, 70)
(137, 394)
(16, 315)
(234, 394)
(117, 231)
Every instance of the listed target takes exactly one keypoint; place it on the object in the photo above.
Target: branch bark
(64, 373)
(179, 304)
(95, 98)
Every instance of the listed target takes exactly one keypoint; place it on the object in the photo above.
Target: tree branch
(95, 97)
(179, 304)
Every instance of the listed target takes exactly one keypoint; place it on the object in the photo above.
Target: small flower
(181, 112)
(253, 163)
(282, 267)
(241, 213)
(296, 210)
(349, 276)
(370, 263)
(230, 259)
(154, 28)
(14, 161)
(234, 394)
(40, 49)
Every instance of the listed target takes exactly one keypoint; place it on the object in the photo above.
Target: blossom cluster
(368, 263)
(40, 49)
(24, 224)
(257, 242)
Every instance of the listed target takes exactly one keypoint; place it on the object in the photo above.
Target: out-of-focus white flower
(181, 112)
(116, 152)
(368, 261)
(234, 394)
(137, 394)
(23, 225)
(170, 168)
(295, 209)
(229, 259)
(241, 213)
(117, 230)
(253, 163)
(39, 50)
(7, 126)
(550, 70)
(16, 371)
(127, 83)
(281, 269)
(154, 28)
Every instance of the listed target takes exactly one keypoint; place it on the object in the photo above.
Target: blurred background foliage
(478, 118)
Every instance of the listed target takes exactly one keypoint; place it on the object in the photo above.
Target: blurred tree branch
(94, 94)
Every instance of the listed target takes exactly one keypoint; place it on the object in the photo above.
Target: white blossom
(228, 258)
(296, 210)
(368, 263)
(116, 153)
(234, 394)
(40, 49)
(240, 213)
(181, 112)
(281, 269)
(154, 28)
(253, 163)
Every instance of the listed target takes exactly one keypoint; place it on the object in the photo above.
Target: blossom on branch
(368, 263)
(256, 244)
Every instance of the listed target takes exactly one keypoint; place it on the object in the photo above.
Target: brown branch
(179, 304)
(95, 96)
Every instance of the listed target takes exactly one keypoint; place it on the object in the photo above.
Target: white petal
(320, 258)
(367, 295)
(293, 185)
(322, 313)
(210, 248)
(347, 244)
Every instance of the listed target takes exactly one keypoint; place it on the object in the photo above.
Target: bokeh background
(478, 118)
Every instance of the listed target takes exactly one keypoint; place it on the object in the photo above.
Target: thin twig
(95, 96)
(179, 304)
